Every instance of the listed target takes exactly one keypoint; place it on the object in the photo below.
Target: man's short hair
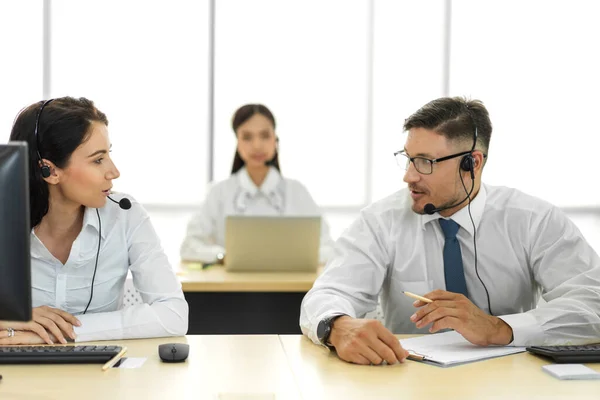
(455, 118)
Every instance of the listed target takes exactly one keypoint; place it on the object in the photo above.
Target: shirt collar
(90, 218)
(269, 189)
(461, 217)
(268, 186)
(38, 250)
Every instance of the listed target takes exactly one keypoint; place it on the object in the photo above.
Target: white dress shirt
(129, 243)
(525, 248)
(238, 195)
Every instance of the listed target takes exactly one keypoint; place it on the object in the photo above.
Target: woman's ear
(52, 178)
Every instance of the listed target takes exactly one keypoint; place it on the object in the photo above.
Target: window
(339, 76)
(21, 52)
(407, 73)
(306, 61)
(144, 63)
(537, 72)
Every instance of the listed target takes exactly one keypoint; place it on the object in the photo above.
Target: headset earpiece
(468, 161)
(468, 164)
(45, 171)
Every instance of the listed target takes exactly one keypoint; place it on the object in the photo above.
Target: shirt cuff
(526, 330)
(101, 326)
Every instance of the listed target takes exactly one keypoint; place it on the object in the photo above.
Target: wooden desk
(217, 279)
(286, 367)
(226, 365)
(322, 375)
(223, 302)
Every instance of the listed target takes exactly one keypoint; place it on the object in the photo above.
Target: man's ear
(479, 159)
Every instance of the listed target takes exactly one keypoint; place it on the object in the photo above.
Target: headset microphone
(124, 203)
(430, 209)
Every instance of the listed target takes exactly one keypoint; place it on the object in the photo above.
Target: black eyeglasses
(423, 165)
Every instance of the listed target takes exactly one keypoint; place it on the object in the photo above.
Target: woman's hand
(30, 326)
(47, 322)
(55, 321)
(20, 337)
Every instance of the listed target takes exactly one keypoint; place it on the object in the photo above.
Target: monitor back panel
(272, 243)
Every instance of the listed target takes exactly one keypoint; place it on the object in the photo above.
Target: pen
(114, 360)
(416, 296)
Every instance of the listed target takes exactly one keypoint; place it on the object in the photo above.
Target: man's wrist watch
(324, 329)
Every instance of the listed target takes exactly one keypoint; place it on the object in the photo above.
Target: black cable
(475, 240)
(96, 265)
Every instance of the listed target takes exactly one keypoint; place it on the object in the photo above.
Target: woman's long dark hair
(243, 114)
(63, 126)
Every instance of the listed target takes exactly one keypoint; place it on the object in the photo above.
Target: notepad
(450, 348)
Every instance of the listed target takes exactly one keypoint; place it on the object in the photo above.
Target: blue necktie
(453, 265)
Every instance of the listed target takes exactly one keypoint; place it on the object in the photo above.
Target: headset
(124, 203)
(467, 163)
(43, 167)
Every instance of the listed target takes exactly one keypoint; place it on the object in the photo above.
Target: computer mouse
(173, 352)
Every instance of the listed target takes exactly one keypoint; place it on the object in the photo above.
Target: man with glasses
(482, 254)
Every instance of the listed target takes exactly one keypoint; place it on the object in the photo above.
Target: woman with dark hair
(256, 187)
(82, 246)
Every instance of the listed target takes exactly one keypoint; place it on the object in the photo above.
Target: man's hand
(20, 337)
(365, 341)
(454, 311)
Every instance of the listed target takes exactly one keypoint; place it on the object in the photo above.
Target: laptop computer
(261, 243)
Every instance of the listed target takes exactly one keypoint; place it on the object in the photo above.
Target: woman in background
(256, 187)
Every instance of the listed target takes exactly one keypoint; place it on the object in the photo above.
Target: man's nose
(411, 175)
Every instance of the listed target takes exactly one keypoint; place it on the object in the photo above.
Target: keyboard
(586, 353)
(57, 354)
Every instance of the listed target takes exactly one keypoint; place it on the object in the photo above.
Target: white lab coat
(238, 195)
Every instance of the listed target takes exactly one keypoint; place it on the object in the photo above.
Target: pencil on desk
(414, 356)
(416, 296)
(114, 360)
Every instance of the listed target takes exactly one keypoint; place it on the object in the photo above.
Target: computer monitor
(15, 258)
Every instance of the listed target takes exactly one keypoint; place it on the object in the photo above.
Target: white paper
(571, 371)
(131, 362)
(450, 348)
